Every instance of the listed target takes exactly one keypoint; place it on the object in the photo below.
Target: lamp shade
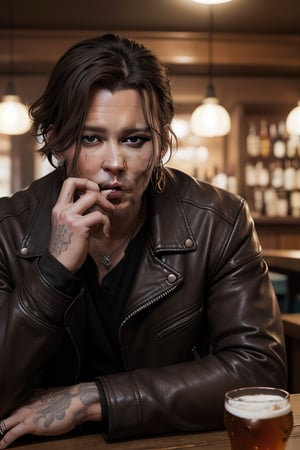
(14, 117)
(293, 121)
(210, 119)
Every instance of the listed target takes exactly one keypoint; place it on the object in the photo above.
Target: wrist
(88, 395)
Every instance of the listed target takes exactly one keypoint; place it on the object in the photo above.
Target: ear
(49, 133)
(58, 156)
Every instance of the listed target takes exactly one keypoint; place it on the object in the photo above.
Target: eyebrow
(125, 131)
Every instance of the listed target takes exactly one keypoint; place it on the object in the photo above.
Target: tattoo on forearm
(57, 403)
(62, 240)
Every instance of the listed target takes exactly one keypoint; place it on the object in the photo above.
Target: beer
(258, 418)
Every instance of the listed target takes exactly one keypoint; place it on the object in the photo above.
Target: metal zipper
(151, 302)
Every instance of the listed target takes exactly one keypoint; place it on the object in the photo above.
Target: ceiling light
(14, 117)
(210, 119)
(211, 2)
(293, 121)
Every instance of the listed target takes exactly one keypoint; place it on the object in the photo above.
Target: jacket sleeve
(246, 347)
(32, 328)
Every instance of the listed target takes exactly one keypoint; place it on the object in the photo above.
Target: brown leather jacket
(201, 317)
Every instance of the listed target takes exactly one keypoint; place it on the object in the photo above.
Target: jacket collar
(44, 193)
(164, 209)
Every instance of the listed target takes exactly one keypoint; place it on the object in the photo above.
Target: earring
(159, 178)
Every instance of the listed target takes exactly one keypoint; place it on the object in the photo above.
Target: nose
(114, 159)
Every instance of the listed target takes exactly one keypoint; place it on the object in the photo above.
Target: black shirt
(105, 304)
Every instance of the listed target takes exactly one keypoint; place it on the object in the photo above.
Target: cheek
(140, 172)
(141, 164)
(87, 164)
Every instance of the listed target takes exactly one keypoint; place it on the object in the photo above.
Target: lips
(106, 192)
(112, 192)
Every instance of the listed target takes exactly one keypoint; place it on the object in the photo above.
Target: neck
(109, 251)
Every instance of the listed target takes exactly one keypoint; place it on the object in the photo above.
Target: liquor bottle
(277, 175)
(282, 203)
(270, 202)
(265, 141)
(291, 146)
(262, 175)
(251, 175)
(252, 141)
(295, 203)
(279, 143)
(289, 176)
(273, 135)
(263, 180)
(297, 167)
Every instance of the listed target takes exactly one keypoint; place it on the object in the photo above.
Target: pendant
(106, 261)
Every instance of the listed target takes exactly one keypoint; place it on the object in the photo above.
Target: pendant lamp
(14, 118)
(293, 121)
(210, 119)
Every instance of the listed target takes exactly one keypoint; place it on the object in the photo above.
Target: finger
(72, 184)
(14, 430)
(94, 219)
(10, 437)
(90, 199)
(3, 428)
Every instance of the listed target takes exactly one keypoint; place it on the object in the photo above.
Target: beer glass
(258, 418)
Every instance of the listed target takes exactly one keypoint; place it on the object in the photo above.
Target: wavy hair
(109, 62)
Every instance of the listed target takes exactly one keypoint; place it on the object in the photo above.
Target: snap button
(171, 278)
(188, 243)
(24, 251)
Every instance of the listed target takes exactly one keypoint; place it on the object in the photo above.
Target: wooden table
(217, 440)
(286, 262)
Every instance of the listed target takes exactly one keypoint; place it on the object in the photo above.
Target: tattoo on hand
(62, 240)
(57, 403)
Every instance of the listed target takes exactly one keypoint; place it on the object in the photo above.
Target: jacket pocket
(178, 322)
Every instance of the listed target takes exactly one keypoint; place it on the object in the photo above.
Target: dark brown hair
(111, 62)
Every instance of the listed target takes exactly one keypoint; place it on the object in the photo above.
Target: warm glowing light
(293, 121)
(211, 2)
(14, 117)
(210, 119)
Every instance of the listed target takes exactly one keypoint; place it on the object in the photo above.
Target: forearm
(186, 397)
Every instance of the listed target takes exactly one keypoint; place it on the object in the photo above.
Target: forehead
(123, 98)
(107, 105)
(104, 98)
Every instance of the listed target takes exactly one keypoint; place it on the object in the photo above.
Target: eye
(136, 141)
(90, 139)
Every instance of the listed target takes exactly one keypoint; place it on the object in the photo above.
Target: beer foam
(258, 406)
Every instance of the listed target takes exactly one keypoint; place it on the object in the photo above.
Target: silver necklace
(107, 259)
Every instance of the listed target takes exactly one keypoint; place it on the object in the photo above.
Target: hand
(74, 219)
(53, 412)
